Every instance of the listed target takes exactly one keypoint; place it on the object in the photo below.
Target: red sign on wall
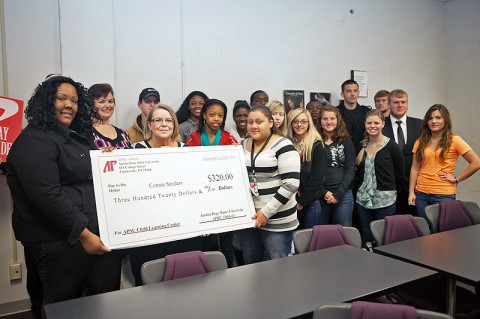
(11, 113)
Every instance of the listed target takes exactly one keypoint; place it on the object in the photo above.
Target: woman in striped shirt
(273, 166)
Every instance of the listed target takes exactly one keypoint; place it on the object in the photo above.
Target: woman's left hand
(260, 219)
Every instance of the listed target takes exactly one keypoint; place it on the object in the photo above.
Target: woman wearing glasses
(309, 145)
(161, 130)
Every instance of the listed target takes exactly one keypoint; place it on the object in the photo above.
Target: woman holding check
(273, 166)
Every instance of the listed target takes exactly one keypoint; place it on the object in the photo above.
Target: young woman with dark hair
(106, 134)
(188, 115)
(273, 166)
(432, 177)
(211, 133)
(50, 178)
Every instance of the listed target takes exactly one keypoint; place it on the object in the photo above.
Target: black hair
(241, 104)
(265, 110)
(255, 93)
(183, 113)
(205, 107)
(40, 111)
(347, 82)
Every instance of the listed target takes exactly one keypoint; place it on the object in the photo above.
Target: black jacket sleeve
(311, 178)
(347, 180)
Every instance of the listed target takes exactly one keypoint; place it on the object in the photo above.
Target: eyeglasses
(154, 101)
(303, 122)
(158, 120)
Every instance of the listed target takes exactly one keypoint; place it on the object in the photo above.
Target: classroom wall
(229, 49)
(462, 80)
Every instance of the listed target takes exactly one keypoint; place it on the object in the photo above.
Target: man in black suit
(405, 130)
(353, 114)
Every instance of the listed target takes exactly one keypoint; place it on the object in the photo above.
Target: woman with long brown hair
(336, 190)
(432, 177)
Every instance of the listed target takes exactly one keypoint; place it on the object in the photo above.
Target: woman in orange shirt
(432, 177)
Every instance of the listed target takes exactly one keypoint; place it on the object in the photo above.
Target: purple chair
(371, 310)
(325, 236)
(401, 227)
(182, 265)
(366, 310)
(452, 214)
(428, 293)
(397, 228)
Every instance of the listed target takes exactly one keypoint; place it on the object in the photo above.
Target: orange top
(428, 181)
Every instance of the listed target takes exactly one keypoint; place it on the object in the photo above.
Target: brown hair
(340, 133)
(447, 134)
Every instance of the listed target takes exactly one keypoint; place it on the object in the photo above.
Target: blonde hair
(275, 106)
(310, 138)
(147, 132)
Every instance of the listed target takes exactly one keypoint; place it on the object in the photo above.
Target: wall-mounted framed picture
(293, 99)
(361, 77)
(321, 97)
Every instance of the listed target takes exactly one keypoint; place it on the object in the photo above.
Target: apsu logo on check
(109, 165)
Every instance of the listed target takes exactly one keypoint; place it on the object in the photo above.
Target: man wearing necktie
(405, 130)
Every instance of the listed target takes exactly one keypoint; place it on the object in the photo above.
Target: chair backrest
(343, 311)
(325, 236)
(452, 214)
(397, 228)
(182, 265)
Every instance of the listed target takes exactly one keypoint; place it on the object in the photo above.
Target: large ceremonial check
(155, 195)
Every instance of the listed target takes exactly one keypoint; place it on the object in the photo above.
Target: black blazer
(414, 127)
(50, 177)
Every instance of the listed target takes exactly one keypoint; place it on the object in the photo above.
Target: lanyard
(252, 158)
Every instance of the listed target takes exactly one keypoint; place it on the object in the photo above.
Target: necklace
(373, 148)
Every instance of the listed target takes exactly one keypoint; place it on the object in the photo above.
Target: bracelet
(455, 181)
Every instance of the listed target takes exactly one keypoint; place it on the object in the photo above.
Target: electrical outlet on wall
(15, 271)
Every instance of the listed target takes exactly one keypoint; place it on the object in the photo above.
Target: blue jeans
(366, 216)
(312, 215)
(258, 243)
(423, 200)
(340, 213)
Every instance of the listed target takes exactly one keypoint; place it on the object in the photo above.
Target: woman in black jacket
(381, 168)
(50, 177)
(309, 145)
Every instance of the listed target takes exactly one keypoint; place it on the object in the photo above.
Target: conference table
(280, 288)
(454, 254)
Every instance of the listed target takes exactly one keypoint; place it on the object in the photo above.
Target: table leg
(451, 296)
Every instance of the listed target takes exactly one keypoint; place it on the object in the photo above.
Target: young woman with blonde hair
(279, 116)
(381, 169)
(309, 145)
